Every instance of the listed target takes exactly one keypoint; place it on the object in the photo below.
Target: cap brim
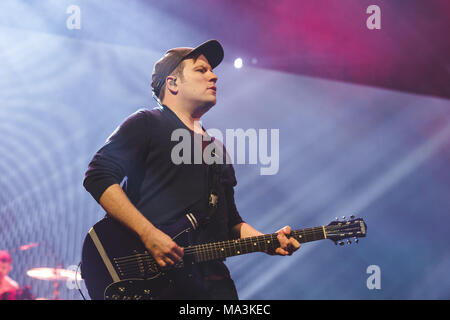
(212, 50)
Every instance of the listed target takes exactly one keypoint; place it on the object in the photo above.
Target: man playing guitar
(135, 180)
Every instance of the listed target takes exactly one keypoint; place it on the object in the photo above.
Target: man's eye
(202, 70)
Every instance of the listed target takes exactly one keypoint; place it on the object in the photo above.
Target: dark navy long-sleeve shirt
(138, 154)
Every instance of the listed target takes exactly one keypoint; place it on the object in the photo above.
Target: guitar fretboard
(144, 265)
(267, 242)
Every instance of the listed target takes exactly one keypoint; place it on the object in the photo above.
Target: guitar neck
(267, 242)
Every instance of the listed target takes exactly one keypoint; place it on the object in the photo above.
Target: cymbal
(28, 246)
(55, 274)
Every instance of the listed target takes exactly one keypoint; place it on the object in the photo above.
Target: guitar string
(230, 244)
(138, 268)
(246, 241)
(204, 252)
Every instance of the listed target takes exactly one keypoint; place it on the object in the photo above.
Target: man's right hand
(165, 251)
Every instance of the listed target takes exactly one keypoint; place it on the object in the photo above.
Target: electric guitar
(116, 266)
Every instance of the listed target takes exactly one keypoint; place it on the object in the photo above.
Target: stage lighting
(238, 63)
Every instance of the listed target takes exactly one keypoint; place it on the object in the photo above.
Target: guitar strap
(214, 173)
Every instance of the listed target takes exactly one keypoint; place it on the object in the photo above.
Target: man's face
(198, 85)
(5, 268)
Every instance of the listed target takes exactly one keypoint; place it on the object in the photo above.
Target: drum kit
(55, 275)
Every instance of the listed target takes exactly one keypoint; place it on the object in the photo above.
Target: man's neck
(190, 120)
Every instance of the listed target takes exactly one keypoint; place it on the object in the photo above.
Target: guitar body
(116, 265)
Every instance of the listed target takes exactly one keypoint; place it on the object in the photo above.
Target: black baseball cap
(211, 49)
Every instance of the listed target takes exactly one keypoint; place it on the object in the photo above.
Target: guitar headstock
(345, 229)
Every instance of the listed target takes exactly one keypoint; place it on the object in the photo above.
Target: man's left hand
(287, 245)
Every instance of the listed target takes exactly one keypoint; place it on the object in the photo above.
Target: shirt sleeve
(123, 150)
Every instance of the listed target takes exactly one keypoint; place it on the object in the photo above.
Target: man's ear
(171, 84)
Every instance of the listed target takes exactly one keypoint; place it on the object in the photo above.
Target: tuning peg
(352, 217)
(341, 243)
(337, 219)
(349, 241)
(343, 217)
(356, 240)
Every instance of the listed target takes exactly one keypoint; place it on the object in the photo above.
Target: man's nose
(214, 77)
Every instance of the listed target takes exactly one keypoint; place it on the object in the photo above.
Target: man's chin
(208, 105)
